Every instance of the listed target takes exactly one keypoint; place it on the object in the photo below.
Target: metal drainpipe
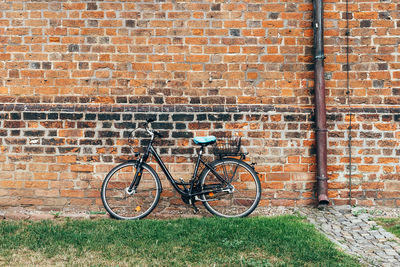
(320, 106)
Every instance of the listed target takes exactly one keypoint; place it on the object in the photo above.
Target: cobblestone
(353, 230)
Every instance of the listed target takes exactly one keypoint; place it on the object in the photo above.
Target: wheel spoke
(225, 174)
(233, 174)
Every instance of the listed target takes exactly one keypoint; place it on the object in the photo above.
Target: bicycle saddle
(205, 140)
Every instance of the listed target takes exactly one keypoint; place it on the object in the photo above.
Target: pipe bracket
(319, 57)
(322, 178)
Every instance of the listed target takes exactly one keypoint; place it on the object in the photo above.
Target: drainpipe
(320, 106)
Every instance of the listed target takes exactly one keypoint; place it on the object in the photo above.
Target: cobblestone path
(354, 231)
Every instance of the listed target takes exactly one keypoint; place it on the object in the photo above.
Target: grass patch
(390, 224)
(256, 241)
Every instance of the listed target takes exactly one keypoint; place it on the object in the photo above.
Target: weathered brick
(197, 68)
(14, 124)
(182, 117)
(82, 168)
(36, 184)
(70, 116)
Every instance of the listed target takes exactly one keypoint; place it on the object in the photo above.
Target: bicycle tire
(121, 205)
(246, 193)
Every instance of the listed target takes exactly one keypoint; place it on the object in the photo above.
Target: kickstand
(195, 209)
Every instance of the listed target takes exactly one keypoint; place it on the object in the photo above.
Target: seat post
(201, 150)
(196, 168)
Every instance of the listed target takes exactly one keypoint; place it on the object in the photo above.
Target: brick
(272, 185)
(82, 168)
(82, 203)
(70, 133)
(272, 58)
(296, 168)
(373, 185)
(215, 49)
(71, 193)
(182, 117)
(67, 159)
(36, 184)
(14, 124)
(11, 184)
(34, 133)
(78, 77)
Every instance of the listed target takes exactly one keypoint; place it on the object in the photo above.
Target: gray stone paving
(357, 234)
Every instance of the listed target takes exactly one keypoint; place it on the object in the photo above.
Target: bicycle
(227, 187)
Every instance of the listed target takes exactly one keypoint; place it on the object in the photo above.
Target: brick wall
(77, 76)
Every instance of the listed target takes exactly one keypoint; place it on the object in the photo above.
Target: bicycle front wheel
(238, 195)
(122, 204)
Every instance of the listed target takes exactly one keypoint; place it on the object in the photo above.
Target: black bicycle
(228, 186)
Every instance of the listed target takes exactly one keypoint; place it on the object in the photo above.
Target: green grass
(390, 224)
(257, 241)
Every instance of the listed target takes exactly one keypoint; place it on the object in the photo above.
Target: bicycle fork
(136, 179)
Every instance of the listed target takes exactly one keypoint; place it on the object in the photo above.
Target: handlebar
(150, 131)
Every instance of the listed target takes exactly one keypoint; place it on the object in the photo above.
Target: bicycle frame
(190, 192)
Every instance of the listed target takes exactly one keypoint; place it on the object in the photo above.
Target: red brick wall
(76, 76)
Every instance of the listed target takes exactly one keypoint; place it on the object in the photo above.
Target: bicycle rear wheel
(238, 196)
(125, 205)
